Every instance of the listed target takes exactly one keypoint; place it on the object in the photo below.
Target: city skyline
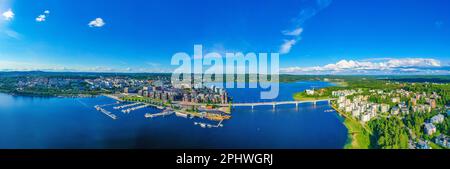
(312, 36)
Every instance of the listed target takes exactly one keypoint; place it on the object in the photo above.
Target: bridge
(273, 104)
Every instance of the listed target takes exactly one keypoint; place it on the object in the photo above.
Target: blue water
(36, 122)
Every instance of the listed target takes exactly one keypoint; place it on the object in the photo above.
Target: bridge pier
(274, 103)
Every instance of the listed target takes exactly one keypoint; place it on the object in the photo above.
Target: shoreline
(355, 132)
(297, 96)
(51, 96)
(111, 96)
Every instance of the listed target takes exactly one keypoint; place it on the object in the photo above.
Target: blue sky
(313, 36)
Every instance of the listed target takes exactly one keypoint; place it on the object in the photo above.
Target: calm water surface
(36, 122)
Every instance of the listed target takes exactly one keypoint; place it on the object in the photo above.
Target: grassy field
(341, 84)
(358, 134)
(359, 137)
(301, 96)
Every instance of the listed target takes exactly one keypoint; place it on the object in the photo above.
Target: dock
(164, 113)
(104, 105)
(125, 106)
(126, 111)
(106, 112)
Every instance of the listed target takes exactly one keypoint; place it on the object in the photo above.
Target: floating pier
(164, 113)
(135, 108)
(125, 106)
(104, 105)
(106, 112)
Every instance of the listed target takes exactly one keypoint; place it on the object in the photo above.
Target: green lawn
(358, 136)
(301, 96)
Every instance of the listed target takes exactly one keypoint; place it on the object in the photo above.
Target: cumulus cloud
(43, 17)
(8, 15)
(98, 22)
(381, 66)
(40, 18)
(287, 45)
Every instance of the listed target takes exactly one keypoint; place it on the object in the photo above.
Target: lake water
(36, 122)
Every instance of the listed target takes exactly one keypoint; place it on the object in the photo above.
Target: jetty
(110, 104)
(126, 111)
(106, 112)
(164, 113)
(125, 106)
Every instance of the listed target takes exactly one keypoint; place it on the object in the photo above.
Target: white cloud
(40, 18)
(412, 62)
(295, 32)
(305, 14)
(46, 12)
(381, 66)
(8, 15)
(287, 45)
(98, 22)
